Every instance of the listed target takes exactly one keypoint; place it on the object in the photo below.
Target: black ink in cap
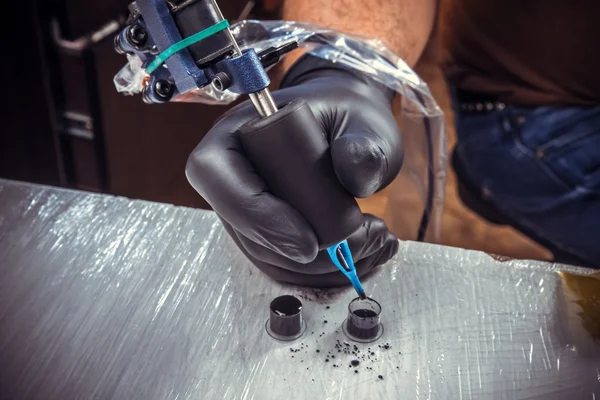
(286, 322)
(364, 321)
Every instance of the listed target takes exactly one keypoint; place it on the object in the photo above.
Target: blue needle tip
(342, 258)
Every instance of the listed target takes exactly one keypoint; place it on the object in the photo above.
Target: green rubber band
(185, 43)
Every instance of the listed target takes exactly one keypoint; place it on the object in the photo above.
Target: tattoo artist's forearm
(403, 25)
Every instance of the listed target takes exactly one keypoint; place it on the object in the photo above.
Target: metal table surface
(108, 298)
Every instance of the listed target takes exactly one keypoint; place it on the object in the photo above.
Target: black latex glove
(366, 148)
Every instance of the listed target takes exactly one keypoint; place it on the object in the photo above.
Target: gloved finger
(381, 246)
(320, 265)
(371, 238)
(279, 274)
(327, 280)
(226, 179)
(371, 245)
(367, 156)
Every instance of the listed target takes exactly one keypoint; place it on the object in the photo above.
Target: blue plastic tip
(342, 258)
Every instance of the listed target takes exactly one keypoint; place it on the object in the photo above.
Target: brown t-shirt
(524, 52)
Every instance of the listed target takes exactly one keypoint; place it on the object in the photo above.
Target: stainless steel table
(108, 298)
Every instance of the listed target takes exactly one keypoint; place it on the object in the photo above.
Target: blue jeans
(540, 169)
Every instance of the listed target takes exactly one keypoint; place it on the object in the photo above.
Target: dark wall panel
(28, 144)
(125, 147)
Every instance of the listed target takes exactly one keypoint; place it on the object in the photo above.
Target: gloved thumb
(368, 158)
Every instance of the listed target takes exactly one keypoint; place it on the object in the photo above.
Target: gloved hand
(366, 148)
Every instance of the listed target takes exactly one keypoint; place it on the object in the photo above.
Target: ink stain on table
(357, 355)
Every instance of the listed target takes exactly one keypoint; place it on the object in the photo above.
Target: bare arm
(403, 25)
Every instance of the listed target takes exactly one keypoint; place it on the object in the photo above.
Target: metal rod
(236, 49)
(342, 259)
(263, 100)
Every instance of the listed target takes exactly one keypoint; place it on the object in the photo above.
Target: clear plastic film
(105, 297)
(415, 210)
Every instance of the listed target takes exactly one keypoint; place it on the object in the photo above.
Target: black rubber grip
(291, 153)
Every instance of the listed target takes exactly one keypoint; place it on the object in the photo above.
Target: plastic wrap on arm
(421, 120)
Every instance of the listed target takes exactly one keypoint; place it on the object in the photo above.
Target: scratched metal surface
(108, 298)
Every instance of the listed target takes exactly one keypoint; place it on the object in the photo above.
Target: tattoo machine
(186, 45)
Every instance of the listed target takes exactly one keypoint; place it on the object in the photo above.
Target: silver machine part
(105, 297)
(263, 100)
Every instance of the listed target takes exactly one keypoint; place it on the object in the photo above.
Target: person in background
(526, 93)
